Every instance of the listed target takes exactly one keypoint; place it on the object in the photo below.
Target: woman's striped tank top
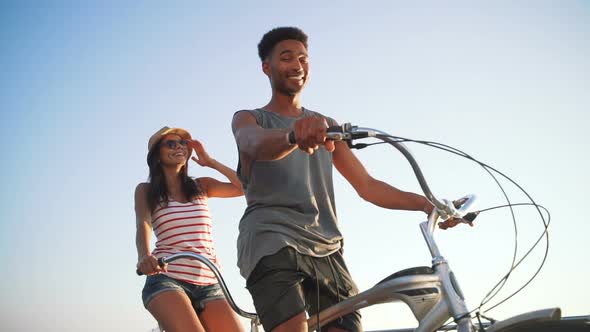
(185, 227)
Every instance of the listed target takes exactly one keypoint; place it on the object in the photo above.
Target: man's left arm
(373, 190)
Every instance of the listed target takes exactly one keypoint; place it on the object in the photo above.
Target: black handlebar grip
(292, 138)
(470, 216)
(332, 129)
(335, 129)
(161, 263)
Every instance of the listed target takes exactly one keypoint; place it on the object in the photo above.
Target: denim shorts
(199, 295)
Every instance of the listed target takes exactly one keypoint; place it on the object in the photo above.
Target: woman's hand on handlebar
(148, 265)
(310, 133)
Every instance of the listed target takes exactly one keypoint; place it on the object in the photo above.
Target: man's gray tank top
(290, 202)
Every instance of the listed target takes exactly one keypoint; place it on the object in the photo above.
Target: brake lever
(459, 202)
(453, 216)
(470, 217)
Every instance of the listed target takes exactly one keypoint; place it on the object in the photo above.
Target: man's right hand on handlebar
(148, 265)
(310, 133)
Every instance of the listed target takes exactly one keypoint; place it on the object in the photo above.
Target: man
(289, 246)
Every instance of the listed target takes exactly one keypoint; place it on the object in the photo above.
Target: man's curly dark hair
(277, 35)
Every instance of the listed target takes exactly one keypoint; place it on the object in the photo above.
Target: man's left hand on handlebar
(310, 133)
(450, 223)
(467, 219)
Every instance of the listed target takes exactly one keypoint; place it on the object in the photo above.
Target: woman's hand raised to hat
(202, 157)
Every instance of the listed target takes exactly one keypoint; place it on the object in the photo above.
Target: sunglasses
(173, 143)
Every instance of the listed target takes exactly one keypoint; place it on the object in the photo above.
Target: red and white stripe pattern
(185, 227)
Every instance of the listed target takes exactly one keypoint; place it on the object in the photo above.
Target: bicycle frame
(432, 293)
(421, 288)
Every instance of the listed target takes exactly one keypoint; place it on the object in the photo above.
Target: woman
(183, 296)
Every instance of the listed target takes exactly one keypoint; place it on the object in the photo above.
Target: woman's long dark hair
(157, 190)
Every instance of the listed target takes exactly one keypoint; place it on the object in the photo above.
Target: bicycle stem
(427, 228)
(443, 208)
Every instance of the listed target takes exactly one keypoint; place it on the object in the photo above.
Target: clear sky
(84, 85)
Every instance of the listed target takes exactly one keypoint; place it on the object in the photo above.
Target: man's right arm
(257, 143)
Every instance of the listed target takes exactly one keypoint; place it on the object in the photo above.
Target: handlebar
(445, 209)
(165, 260)
(161, 263)
(334, 133)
